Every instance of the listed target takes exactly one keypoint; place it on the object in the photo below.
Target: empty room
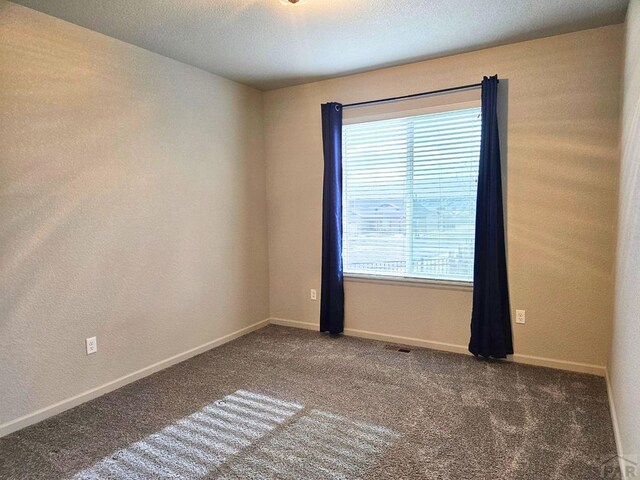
(320, 239)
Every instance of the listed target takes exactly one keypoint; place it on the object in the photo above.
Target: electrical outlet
(520, 317)
(314, 294)
(92, 345)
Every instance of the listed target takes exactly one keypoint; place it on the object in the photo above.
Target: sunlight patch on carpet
(246, 433)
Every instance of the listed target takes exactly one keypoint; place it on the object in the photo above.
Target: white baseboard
(294, 323)
(414, 342)
(578, 367)
(66, 404)
(614, 421)
(450, 347)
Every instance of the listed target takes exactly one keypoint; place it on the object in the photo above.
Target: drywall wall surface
(624, 364)
(132, 195)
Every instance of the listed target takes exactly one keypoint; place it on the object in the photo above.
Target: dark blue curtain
(332, 296)
(490, 319)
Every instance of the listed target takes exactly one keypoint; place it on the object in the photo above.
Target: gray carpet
(286, 403)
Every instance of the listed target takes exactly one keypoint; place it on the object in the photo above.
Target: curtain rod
(413, 95)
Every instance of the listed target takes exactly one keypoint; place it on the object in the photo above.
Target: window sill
(409, 281)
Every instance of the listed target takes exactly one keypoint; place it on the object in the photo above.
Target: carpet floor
(294, 404)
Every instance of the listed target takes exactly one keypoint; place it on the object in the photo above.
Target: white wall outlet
(520, 318)
(314, 294)
(92, 345)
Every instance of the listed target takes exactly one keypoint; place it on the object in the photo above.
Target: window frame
(408, 280)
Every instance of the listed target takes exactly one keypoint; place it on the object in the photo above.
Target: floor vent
(397, 348)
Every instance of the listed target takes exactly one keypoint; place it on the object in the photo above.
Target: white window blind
(409, 187)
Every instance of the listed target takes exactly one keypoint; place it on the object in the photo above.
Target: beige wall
(562, 167)
(132, 190)
(624, 366)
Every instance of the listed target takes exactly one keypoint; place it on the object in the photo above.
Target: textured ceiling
(266, 44)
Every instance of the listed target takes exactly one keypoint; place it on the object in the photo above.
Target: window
(409, 186)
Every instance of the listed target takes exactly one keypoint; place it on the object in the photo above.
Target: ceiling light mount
(292, 2)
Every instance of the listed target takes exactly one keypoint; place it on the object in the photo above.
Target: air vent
(396, 348)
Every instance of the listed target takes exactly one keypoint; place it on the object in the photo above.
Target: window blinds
(409, 187)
